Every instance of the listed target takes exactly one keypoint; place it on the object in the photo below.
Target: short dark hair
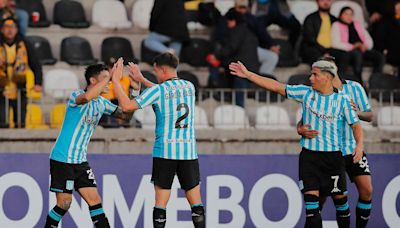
(93, 71)
(344, 9)
(166, 59)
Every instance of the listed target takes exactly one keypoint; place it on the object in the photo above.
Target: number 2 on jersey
(179, 123)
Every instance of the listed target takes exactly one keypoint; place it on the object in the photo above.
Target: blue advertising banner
(237, 190)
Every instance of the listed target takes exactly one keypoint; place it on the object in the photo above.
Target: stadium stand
(146, 117)
(77, 51)
(299, 79)
(384, 87)
(287, 56)
(196, 51)
(230, 117)
(301, 9)
(34, 117)
(110, 14)
(59, 83)
(141, 13)
(57, 115)
(70, 14)
(114, 47)
(43, 49)
(35, 6)
(201, 120)
(388, 118)
(272, 117)
(224, 5)
(358, 12)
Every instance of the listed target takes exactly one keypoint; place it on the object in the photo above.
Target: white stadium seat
(301, 9)
(141, 11)
(224, 5)
(110, 14)
(230, 117)
(200, 119)
(388, 118)
(60, 83)
(146, 117)
(272, 117)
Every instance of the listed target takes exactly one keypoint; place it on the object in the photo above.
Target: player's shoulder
(353, 84)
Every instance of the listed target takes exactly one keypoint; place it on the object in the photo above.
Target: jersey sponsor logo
(90, 120)
(160, 220)
(329, 118)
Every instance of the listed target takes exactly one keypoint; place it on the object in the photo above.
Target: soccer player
(321, 167)
(359, 173)
(174, 151)
(69, 168)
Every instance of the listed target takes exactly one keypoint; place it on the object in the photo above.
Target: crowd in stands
(241, 32)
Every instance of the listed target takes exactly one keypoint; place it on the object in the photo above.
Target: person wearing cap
(359, 173)
(19, 68)
(321, 166)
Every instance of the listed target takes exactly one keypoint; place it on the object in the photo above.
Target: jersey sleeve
(362, 100)
(73, 96)
(109, 108)
(149, 96)
(296, 92)
(349, 114)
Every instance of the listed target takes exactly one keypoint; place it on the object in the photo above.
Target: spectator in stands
(350, 36)
(363, 7)
(267, 52)
(168, 30)
(317, 37)
(9, 9)
(388, 36)
(277, 12)
(240, 44)
(18, 62)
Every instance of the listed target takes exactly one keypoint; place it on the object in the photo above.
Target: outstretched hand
(134, 72)
(118, 70)
(239, 69)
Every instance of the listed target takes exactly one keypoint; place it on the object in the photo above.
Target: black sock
(363, 212)
(313, 216)
(198, 216)
(98, 217)
(342, 212)
(54, 217)
(159, 217)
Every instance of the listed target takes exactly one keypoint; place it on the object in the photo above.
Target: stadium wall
(238, 191)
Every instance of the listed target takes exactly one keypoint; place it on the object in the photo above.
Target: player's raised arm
(137, 76)
(126, 104)
(240, 70)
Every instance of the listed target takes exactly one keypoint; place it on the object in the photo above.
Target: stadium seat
(188, 76)
(230, 117)
(382, 86)
(35, 6)
(77, 51)
(298, 79)
(147, 55)
(146, 117)
(34, 117)
(388, 118)
(110, 14)
(195, 52)
(200, 118)
(57, 115)
(43, 49)
(224, 5)
(287, 56)
(114, 47)
(358, 12)
(60, 83)
(141, 12)
(70, 14)
(301, 9)
(272, 117)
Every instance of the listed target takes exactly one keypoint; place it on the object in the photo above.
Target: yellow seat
(30, 83)
(34, 117)
(57, 115)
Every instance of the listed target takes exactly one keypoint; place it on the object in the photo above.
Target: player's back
(175, 110)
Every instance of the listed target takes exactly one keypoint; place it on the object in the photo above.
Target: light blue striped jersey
(173, 102)
(80, 121)
(356, 92)
(327, 114)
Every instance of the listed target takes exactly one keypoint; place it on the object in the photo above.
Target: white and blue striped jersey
(327, 114)
(80, 121)
(173, 102)
(356, 92)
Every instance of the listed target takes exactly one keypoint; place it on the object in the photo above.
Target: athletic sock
(54, 217)
(363, 212)
(98, 217)
(342, 212)
(313, 216)
(198, 216)
(159, 217)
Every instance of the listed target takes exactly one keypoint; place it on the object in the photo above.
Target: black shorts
(322, 171)
(357, 169)
(67, 177)
(164, 172)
